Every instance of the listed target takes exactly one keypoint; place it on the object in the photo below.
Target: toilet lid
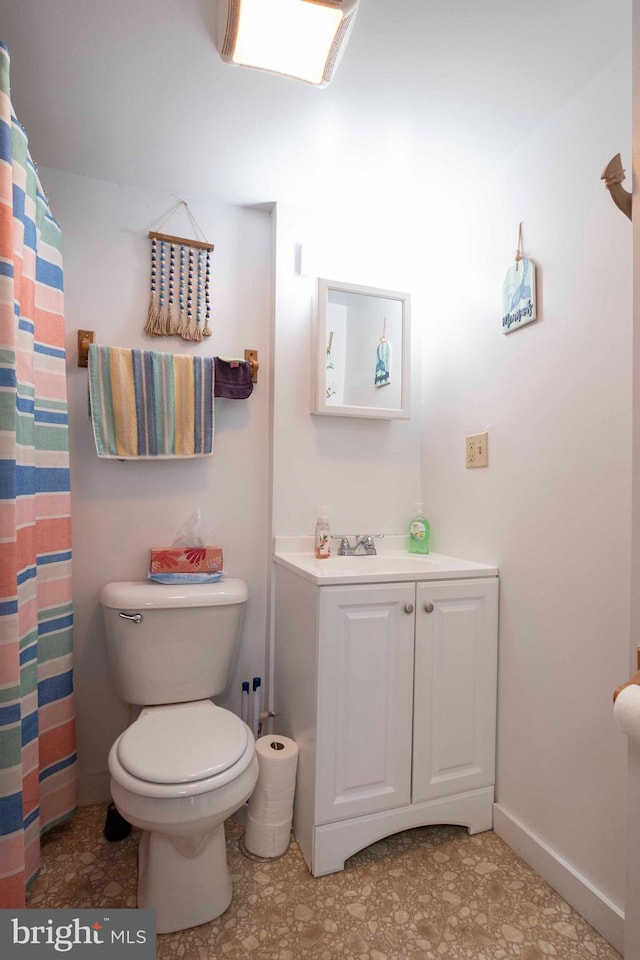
(182, 742)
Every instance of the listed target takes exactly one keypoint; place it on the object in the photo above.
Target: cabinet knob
(428, 607)
(408, 608)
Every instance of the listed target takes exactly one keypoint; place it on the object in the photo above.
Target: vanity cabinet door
(455, 687)
(365, 694)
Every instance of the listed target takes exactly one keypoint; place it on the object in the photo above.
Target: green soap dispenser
(419, 531)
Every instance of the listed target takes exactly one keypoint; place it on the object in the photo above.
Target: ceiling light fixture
(297, 38)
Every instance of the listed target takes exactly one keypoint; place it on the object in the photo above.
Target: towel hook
(613, 176)
(251, 356)
(85, 338)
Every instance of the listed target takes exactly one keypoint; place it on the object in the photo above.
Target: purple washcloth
(232, 379)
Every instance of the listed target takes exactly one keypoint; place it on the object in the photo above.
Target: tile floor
(433, 893)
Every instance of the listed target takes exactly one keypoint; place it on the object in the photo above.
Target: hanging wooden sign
(180, 274)
(519, 292)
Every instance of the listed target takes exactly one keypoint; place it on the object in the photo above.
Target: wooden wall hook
(251, 356)
(85, 338)
(613, 176)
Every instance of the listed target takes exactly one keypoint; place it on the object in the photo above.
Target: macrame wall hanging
(180, 273)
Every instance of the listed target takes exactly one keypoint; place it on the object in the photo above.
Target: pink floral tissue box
(186, 559)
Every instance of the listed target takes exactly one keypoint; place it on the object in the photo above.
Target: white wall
(553, 507)
(119, 510)
(366, 471)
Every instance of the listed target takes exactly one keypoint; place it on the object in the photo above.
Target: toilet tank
(171, 643)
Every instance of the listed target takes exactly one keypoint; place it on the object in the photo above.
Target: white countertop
(392, 563)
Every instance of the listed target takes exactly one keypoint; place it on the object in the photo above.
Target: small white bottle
(323, 535)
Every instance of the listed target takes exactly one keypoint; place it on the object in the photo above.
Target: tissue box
(186, 560)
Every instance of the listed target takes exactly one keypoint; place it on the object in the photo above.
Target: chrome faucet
(363, 547)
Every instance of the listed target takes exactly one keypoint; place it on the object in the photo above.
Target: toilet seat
(181, 749)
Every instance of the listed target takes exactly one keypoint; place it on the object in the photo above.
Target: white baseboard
(93, 788)
(603, 915)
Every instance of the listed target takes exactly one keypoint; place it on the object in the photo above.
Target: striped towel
(147, 405)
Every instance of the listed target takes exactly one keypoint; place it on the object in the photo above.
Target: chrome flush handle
(136, 617)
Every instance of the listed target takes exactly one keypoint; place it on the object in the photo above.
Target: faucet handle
(366, 540)
(345, 547)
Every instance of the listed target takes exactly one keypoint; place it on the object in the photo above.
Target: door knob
(408, 608)
(428, 607)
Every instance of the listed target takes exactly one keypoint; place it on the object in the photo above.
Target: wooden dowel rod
(180, 241)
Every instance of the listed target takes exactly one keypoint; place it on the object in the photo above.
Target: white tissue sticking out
(626, 711)
(196, 531)
(270, 810)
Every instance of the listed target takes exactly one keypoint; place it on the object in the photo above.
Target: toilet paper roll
(278, 761)
(626, 711)
(271, 812)
(266, 799)
(270, 809)
(268, 840)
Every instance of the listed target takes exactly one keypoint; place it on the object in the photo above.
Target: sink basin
(380, 563)
(381, 568)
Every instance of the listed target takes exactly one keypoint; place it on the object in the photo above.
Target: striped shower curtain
(37, 737)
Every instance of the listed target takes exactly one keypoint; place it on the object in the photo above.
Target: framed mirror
(362, 352)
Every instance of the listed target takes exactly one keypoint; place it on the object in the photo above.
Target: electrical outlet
(478, 450)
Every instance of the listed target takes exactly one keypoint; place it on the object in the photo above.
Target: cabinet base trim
(333, 843)
(590, 902)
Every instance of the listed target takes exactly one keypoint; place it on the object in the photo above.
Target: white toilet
(184, 765)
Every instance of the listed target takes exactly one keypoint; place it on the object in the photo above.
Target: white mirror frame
(320, 405)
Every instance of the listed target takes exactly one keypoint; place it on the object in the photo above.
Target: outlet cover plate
(478, 450)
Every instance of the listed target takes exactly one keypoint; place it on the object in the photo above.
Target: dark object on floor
(115, 825)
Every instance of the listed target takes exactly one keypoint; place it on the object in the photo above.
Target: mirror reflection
(362, 351)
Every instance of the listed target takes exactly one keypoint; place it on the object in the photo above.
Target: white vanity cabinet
(389, 690)
(364, 699)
